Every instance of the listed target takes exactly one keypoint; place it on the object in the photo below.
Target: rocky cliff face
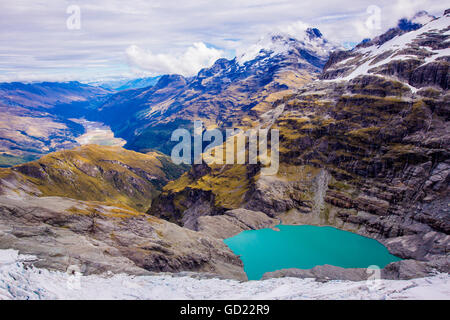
(365, 149)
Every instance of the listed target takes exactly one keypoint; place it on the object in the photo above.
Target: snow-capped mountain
(229, 93)
(413, 53)
(308, 44)
(360, 150)
(419, 19)
(126, 83)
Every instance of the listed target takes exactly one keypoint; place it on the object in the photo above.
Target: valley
(97, 133)
(35, 118)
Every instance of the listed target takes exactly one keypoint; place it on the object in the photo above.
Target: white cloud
(35, 42)
(295, 30)
(188, 63)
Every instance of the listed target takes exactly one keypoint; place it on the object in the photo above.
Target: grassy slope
(101, 173)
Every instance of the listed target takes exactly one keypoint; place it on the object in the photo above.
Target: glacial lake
(305, 247)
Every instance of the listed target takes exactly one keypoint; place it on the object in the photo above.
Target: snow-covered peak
(408, 38)
(423, 44)
(422, 17)
(297, 36)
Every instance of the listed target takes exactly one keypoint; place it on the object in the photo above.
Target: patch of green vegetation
(365, 134)
(172, 170)
(158, 137)
(339, 185)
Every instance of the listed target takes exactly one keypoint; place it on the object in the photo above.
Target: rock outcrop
(400, 270)
(233, 222)
(94, 238)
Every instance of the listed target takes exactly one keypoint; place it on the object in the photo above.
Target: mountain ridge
(96, 173)
(229, 93)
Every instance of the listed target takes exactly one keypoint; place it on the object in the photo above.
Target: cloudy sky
(102, 39)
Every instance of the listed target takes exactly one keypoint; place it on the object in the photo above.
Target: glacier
(20, 280)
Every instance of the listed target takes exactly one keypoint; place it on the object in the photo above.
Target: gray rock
(405, 269)
(233, 222)
(108, 239)
(399, 270)
(321, 273)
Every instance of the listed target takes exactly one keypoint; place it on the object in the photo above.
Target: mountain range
(35, 117)
(364, 147)
(125, 83)
(231, 93)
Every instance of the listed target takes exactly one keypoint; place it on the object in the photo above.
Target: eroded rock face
(233, 222)
(97, 238)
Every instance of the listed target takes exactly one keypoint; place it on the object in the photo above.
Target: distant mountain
(310, 45)
(34, 117)
(417, 56)
(47, 94)
(231, 93)
(125, 84)
(138, 83)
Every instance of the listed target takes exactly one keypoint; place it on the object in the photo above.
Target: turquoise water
(305, 247)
